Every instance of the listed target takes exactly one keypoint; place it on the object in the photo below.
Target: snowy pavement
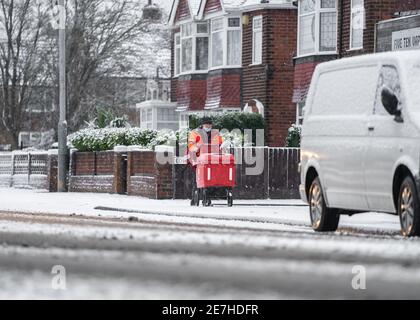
(126, 247)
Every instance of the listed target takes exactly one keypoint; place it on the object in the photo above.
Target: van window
(389, 77)
(346, 91)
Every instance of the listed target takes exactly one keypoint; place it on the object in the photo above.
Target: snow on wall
(24, 170)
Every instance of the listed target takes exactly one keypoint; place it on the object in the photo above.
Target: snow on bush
(294, 136)
(108, 138)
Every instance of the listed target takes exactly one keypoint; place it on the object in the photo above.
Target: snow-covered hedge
(108, 138)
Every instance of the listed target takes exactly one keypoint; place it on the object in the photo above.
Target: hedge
(109, 138)
(232, 120)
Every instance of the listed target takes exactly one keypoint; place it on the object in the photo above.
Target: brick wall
(281, 46)
(183, 11)
(272, 81)
(92, 172)
(406, 5)
(191, 92)
(212, 6)
(147, 178)
(224, 89)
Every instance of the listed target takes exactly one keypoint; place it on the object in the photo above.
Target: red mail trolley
(215, 171)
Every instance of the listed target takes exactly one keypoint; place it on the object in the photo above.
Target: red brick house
(333, 29)
(235, 55)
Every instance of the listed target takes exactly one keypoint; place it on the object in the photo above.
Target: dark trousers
(193, 181)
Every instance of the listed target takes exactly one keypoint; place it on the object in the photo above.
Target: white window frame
(177, 57)
(28, 137)
(173, 121)
(239, 28)
(194, 35)
(183, 38)
(144, 122)
(209, 34)
(300, 113)
(254, 31)
(224, 32)
(201, 35)
(318, 11)
(34, 137)
(352, 10)
(184, 121)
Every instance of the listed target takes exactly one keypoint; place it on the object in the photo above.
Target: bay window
(202, 45)
(357, 23)
(257, 36)
(317, 27)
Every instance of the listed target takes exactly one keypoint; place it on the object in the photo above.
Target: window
(198, 48)
(358, 99)
(177, 54)
(388, 77)
(257, 32)
(202, 46)
(184, 121)
(234, 42)
(317, 27)
(186, 48)
(159, 118)
(24, 139)
(300, 113)
(192, 48)
(357, 24)
(146, 118)
(226, 45)
(35, 139)
(217, 42)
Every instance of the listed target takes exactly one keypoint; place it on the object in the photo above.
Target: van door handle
(371, 129)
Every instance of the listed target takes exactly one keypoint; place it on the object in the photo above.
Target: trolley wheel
(206, 199)
(195, 202)
(230, 198)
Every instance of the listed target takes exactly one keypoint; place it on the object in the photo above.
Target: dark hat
(206, 120)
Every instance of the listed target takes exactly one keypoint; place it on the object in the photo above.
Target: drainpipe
(340, 55)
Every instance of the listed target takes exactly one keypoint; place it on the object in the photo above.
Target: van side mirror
(391, 103)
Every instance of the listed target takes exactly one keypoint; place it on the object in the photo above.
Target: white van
(361, 140)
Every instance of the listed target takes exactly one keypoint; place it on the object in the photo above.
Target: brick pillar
(147, 176)
(164, 164)
(52, 171)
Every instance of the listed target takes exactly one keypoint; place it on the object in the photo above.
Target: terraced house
(235, 55)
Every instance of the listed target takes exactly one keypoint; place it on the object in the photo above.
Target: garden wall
(280, 178)
(29, 170)
(94, 172)
(137, 172)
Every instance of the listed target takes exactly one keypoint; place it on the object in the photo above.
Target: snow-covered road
(123, 247)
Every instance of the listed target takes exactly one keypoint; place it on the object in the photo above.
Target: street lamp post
(62, 126)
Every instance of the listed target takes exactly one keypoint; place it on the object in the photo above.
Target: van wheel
(409, 209)
(323, 219)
